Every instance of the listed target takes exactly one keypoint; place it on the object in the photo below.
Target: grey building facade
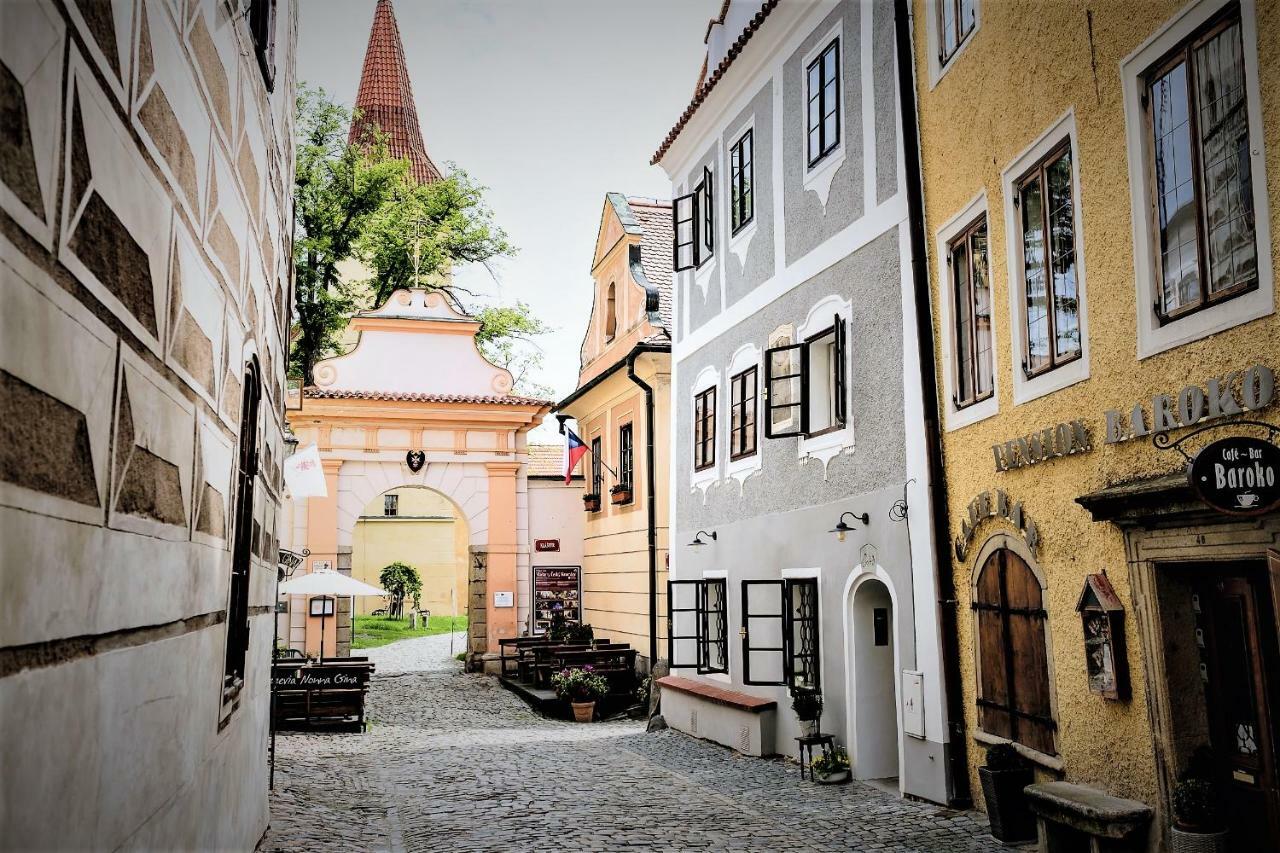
(797, 398)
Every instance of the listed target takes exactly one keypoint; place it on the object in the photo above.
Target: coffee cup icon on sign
(1246, 500)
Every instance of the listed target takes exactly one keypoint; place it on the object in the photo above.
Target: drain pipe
(944, 579)
(652, 501)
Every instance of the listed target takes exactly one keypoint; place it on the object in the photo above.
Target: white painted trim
(1152, 337)
(748, 355)
(870, 156)
(957, 418)
(829, 445)
(857, 578)
(708, 377)
(937, 70)
(1025, 389)
(819, 176)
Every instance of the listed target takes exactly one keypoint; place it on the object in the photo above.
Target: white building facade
(798, 399)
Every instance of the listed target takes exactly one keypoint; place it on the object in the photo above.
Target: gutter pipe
(652, 502)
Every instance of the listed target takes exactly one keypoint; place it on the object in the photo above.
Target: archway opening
(422, 528)
(875, 704)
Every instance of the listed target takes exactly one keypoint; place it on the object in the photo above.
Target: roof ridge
(385, 97)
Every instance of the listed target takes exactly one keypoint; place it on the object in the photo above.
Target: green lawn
(374, 631)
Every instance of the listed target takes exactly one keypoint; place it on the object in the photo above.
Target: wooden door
(1242, 650)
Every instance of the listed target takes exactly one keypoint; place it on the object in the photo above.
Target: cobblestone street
(452, 761)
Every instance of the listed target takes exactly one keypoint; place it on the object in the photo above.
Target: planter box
(1183, 841)
(620, 496)
(1007, 808)
(591, 503)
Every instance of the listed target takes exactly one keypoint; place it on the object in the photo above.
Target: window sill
(819, 176)
(826, 445)
(740, 242)
(972, 413)
(1052, 763)
(1157, 337)
(1046, 382)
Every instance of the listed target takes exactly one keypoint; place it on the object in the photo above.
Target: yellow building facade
(622, 410)
(1101, 264)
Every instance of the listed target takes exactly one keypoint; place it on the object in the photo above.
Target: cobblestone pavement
(454, 762)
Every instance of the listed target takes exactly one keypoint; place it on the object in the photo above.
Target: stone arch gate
(416, 404)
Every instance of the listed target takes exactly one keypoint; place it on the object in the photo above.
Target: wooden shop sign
(304, 678)
(1239, 475)
(983, 507)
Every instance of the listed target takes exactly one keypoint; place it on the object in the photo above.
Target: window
(824, 102)
(597, 470)
(698, 624)
(246, 473)
(741, 176)
(780, 633)
(805, 384)
(1051, 299)
(626, 456)
(971, 290)
(1202, 192)
(704, 429)
(390, 505)
(956, 20)
(693, 225)
(1013, 665)
(262, 31)
(611, 314)
(742, 414)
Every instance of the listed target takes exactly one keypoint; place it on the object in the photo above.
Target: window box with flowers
(591, 503)
(620, 494)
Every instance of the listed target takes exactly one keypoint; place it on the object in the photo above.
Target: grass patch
(373, 631)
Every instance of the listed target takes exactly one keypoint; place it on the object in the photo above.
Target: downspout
(651, 501)
(944, 579)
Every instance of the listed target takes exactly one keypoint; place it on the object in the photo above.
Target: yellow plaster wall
(1027, 64)
(428, 535)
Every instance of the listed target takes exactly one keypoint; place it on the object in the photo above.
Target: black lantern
(700, 540)
(1104, 654)
(842, 528)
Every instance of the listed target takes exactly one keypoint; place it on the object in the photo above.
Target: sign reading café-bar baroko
(1239, 475)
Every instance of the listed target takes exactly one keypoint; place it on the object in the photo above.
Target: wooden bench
(729, 717)
(1072, 817)
(616, 662)
(328, 695)
(513, 649)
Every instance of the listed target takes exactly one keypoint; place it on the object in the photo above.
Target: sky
(548, 103)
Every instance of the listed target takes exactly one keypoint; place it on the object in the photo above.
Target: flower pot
(1194, 841)
(591, 503)
(1007, 810)
(620, 496)
(835, 777)
(583, 711)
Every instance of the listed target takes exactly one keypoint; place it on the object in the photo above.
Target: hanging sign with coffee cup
(1239, 475)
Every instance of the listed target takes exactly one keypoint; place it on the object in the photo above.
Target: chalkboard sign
(1238, 475)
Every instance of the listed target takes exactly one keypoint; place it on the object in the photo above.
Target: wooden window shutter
(840, 383)
(684, 247)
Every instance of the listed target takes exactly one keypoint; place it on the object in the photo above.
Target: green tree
(423, 230)
(338, 188)
(401, 581)
(507, 338)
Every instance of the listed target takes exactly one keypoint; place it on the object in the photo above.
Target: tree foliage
(507, 338)
(402, 581)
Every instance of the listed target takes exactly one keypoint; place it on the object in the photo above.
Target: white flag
(304, 475)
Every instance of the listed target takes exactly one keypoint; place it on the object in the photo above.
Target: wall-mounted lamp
(698, 540)
(841, 528)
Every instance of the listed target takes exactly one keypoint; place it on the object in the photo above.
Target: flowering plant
(831, 762)
(580, 685)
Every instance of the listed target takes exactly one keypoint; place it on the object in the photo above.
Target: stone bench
(1072, 818)
(729, 717)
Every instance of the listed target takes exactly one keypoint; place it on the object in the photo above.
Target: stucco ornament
(502, 382)
(325, 374)
(404, 297)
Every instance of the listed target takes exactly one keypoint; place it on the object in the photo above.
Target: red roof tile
(710, 82)
(420, 397)
(385, 98)
(654, 218)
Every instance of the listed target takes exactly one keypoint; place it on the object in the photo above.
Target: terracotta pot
(1190, 841)
(591, 503)
(583, 711)
(1007, 809)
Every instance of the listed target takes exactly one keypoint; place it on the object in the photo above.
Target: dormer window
(693, 225)
(611, 314)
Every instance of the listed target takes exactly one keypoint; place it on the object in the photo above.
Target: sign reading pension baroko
(1238, 475)
(1062, 440)
(1237, 392)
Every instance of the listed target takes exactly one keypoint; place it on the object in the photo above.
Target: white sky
(548, 103)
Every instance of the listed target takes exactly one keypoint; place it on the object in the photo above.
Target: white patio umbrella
(328, 582)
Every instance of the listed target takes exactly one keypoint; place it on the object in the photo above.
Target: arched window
(1013, 664)
(611, 314)
(246, 473)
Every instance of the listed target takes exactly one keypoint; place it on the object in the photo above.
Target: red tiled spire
(385, 98)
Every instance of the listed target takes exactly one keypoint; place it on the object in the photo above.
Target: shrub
(1195, 805)
(1003, 756)
(580, 684)
(807, 704)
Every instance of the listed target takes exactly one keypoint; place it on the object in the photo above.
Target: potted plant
(582, 688)
(1198, 826)
(1004, 777)
(832, 767)
(808, 707)
(620, 494)
(591, 503)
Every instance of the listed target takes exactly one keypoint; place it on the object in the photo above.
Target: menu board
(556, 588)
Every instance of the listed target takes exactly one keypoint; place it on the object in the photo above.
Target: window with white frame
(741, 176)
(698, 624)
(704, 429)
(742, 413)
(823, 99)
(1050, 295)
(973, 344)
(956, 21)
(693, 225)
(806, 385)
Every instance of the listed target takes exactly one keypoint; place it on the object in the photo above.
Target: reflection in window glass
(972, 293)
(1051, 299)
